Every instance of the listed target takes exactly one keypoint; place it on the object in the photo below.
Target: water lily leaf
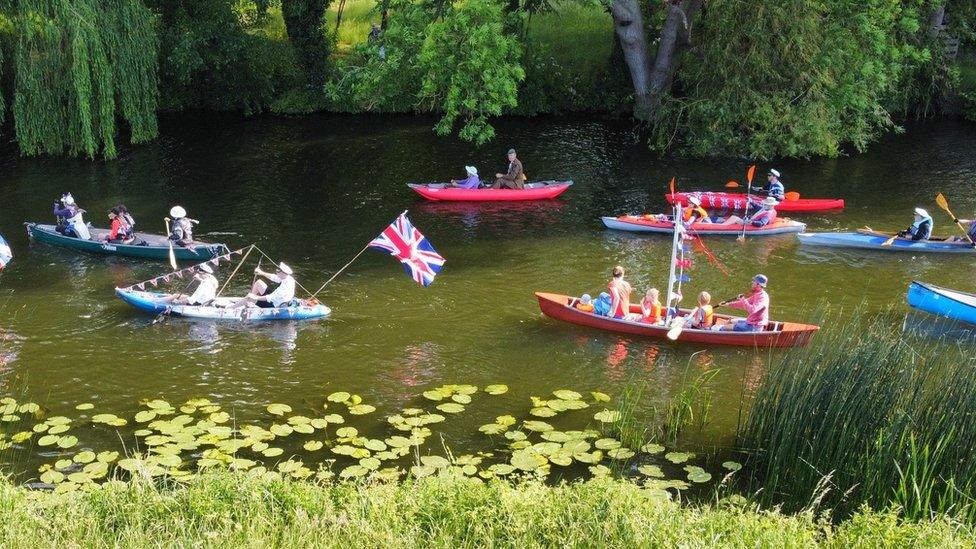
(621, 453)
(461, 398)
(361, 409)
(304, 428)
(28, 408)
(537, 426)
(96, 469)
(347, 432)
(566, 394)
(370, 463)
(421, 471)
(85, 406)
(497, 389)
(607, 416)
(450, 407)
(492, 429)
(434, 395)
(338, 396)
(84, 457)
(505, 420)
(732, 465)
(67, 442)
(319, 423)
(607, 443)
(436, 462)
(107, 456)
(79, 477)
(10, 418)
(281, 429)
(259, 446)
(573, 447)
(678, 457)
(527, 460)
(516, 435)
(354, 400)
(353, 471)
(21, 436)
(334, 418)
(589, 457)
(699, 476)
(219, 417)
(63, 463)
(143, 433)
(39, 428)
(118, 422)
(652, 448)
(398, 442)
(299, 420)
(158, 404)
(58, 429)
(542, 412)
(600, 397)
(469, 470)
(599, 470)
(145, 415)
(375, 445)
(502, 469)
(272, 452)
(52, 476)
(278, 409)
(651, 471)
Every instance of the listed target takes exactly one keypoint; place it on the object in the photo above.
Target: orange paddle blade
(732, 184)
(751, 172)
(671, 185)
(792, 195)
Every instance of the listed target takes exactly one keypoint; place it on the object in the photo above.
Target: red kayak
(736, 201)
(777, 334)
(534, 190)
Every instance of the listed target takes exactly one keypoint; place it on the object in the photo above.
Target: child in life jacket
(585, 303)
(702, 317)
(651, 307)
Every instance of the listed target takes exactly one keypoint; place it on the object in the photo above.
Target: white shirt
(285, 291)
(205, 292)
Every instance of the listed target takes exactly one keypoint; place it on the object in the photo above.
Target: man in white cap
(471, 182)
(921, 228)
(181, 226)
(284, 293)
(206, 289)
(776, 188)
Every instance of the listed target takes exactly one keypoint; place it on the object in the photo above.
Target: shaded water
(313, 191)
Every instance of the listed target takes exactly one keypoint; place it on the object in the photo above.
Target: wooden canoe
(534, 190)
(778, 334)
(156, 246)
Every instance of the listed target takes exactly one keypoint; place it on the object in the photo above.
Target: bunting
(154, 282)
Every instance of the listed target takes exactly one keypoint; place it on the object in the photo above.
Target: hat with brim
(205, 268)
(761, 280)
(68, 199)
(694, 200)
(585, 299)
(770, 201)
(921, 212)
(774, 173)
(471, 170)
(284, 268)
(177, 212)
(511, 151)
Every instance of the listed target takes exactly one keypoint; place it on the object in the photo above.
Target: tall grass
(868, 415)
(234, 510)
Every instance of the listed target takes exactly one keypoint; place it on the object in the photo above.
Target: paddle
(941, 201)
(678, 323)
(749, 174)
(792, 195)
(889, 241)
(172, 255)
(732, 184)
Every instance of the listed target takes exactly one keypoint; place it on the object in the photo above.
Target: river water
(313, 191)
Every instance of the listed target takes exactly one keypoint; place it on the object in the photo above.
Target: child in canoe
(651, 307)
(702, 317)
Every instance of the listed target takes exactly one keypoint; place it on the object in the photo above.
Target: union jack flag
(404, 242)
(5, 254)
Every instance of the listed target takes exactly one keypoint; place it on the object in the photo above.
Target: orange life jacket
(693, 210)
(585, 308)
(657, 311)
(704, 316)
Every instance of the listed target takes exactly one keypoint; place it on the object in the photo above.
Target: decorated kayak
(536, 190)
(151, 246)
(655, 224)
(873, 240)
(736, 201)
(222, 308)
(778, 334)
(942, 301)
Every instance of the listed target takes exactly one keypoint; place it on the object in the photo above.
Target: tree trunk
(628, 23)
(935, 21)
(675, 33)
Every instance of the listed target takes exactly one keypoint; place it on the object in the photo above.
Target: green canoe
(151, 246)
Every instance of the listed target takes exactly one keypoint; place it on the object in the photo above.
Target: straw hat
(285, 268)
(177, 212)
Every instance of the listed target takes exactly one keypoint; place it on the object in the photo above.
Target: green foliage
(304, 20)
(793, 78)
(74, 61)
(470, 68)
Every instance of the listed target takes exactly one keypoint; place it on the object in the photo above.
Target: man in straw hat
(515, 177)
(206, 289)
(281, 296)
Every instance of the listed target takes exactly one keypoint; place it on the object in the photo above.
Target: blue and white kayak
(222, 308)
(872, 240)
(942, 301)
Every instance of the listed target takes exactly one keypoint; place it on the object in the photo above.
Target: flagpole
(674, 255)
(344, 267)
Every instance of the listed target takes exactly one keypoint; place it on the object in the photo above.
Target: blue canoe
(942, 301)
(222, 308)
(872, 240)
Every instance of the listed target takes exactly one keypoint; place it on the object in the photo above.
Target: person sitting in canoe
(702, 317)
(651, 308)
(694, 212)
(765, 216)
(776, 188)
(206, 290)
(128, 222)
(971, 232)
(756, 304)
(117, 232)
(585, 303)
(921, 228)
(514, 178)
(471, 182)
(181, 227)
(620, 291)
(71, 220)
(281, 296)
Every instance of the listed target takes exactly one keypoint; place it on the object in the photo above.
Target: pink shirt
(758, 307)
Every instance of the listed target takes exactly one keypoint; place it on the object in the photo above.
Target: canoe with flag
(145, 246)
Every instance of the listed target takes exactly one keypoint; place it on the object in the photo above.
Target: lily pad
(272, 452)
(492, 429)
(450, 407)
(607, 443)
(353, 471)
(543, 412)
(607, 416)
(85, 406)
(347, 432)
(651, 471)
(361, 409)
(600, 397)
(732, 465)
(67, 441)
(527, 460)
(566, 394)
(537, 426)
(278, 409)
(437, 462)
(699, 476)
(84, 457)
(678, 457)
(338, 396)
(621, 453)
(52, 476)
(145, 415)
(652, 448)
(497, 389)
(48, 440)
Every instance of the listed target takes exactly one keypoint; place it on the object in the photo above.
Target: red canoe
(736, 201)
(534, 190)
(777, 334)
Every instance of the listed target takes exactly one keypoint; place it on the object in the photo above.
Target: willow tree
(79, 67)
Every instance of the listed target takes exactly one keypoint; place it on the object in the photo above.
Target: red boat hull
(544, 190)
(736, 201)
(781, 334)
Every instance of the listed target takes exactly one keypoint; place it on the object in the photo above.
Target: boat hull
(873, 241)
(537, 190)
(736, 201)
(942, 302)
(158, 247)
(154, 303)
(783, 334)
(641, 225)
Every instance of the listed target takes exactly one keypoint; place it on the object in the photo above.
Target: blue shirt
(777, 190)
(471, 182)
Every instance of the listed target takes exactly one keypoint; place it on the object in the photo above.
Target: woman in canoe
(763, 217)
(70, 216)
(921, 228)
(694, 212)
(620, 291)
(471, 182)
(756, 304)
(118, 232)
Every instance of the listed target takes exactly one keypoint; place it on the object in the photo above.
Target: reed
(867, 415)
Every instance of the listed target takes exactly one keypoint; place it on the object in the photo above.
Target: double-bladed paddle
(944, 204)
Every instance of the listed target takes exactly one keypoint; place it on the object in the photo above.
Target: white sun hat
(471, 170)
(921, 212)
(177, 212)
(774, 173)
(205, 267)
(770, 201)
(694, 200)
(284, 268)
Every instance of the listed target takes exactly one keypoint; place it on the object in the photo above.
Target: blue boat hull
(874, 241)
(154, 303)
(942, 302)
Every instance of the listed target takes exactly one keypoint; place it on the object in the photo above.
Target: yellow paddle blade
(941, 201)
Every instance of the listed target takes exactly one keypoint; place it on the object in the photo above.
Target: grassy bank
(235, 510)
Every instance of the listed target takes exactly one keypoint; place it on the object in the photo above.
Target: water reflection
(934, 327)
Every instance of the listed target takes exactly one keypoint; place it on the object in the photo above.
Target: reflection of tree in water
(9, 352)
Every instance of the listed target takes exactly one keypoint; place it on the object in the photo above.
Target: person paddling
(471, 182)
(70, 217)
(281, 296)
(776, 188)
(694, 212)
(206, 290)
(620, 291)
(971, 232)
(921, 228)
(181, 227)
(515, 177)
(756, 304)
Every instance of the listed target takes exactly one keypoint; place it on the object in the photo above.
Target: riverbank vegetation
(234, 510)
(723, 78)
